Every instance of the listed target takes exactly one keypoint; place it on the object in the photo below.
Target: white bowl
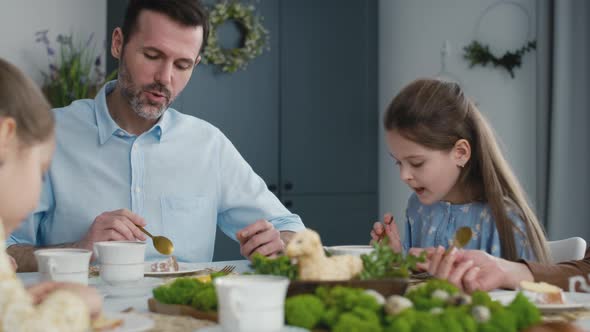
(355, 250)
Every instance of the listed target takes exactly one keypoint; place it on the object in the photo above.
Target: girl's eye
(150, 56)
(397, 163)
(417, 165)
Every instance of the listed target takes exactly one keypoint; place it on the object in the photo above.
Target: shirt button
(137, 190)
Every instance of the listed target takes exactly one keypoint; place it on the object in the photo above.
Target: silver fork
(228, 269)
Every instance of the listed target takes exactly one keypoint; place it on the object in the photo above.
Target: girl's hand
(89, 295)
(388, 229)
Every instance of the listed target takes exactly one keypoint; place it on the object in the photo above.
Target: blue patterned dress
(434, 225)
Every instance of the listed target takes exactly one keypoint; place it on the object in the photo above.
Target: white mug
(120, 252)
(121, 262)
(251, 303)
(64, 264)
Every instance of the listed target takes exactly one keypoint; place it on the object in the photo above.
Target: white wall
(411, 34)
(20, 19)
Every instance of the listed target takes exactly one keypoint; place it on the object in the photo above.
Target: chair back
(569, 249)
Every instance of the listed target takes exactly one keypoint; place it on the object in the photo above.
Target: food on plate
(542, 292)
(103, 323)
(554, 327)
(306, 248)
(168, 265)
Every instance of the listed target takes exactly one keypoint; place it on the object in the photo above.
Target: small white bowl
(355, 250)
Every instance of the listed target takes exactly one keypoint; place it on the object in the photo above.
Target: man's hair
(22, 100)
(190, 13)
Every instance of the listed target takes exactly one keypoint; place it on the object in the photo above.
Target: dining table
(134, 305)
(131, 303)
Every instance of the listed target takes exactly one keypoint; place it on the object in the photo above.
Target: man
(125, 159)
(473, 270)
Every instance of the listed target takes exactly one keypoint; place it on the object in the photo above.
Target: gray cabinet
(304, 115)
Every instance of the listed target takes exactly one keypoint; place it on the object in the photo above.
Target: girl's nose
(404, 174)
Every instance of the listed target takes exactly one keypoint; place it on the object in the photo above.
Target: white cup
(354, 250)
(121, 262)
(251, 303)
(64, 264)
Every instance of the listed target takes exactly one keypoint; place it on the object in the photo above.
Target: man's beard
(142, 107)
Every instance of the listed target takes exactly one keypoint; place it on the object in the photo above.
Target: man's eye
(397, 163)
(150, 56)
(417, 164)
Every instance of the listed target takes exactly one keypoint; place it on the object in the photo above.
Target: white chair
(569, 249)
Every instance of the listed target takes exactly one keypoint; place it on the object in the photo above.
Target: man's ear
(7, 136)
(462, 152)
(117, 43)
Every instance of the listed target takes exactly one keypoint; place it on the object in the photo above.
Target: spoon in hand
(162, 244)
(462, 237)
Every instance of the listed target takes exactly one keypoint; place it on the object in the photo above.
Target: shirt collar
(107, 127)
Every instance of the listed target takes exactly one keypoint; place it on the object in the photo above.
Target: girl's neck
(463, 194)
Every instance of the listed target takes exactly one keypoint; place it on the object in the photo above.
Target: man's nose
(164, 73)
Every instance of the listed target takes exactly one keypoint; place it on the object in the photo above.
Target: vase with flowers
(74, 70)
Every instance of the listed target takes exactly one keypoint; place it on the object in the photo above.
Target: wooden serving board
(180, 310)
(385, 287)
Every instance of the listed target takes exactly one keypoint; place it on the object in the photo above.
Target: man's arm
(24, 255)
(559, 274)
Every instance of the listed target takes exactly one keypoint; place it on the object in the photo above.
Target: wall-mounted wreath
(255, 36)
(479, 54)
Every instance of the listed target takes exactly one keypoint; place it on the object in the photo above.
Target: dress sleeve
(61, 310)
(524, 250)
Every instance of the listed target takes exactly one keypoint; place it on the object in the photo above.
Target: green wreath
(480, 54)
(255, 39)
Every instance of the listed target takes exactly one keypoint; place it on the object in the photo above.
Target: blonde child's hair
(436, 114)
(22, 100)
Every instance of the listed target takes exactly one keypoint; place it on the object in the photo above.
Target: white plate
(355, 250)
(140, 288)
(183, 268)
(573, 301)
(219, 328)
(132, 322)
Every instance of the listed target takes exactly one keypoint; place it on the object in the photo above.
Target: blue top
(183, 176)
(434, 225)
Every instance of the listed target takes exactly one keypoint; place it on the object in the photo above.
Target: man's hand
(387, 228)
(90, 296)
(472, 270)
(116, 225)
(260, 237)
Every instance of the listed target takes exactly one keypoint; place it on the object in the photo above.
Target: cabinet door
(328, 96)
(339, 219)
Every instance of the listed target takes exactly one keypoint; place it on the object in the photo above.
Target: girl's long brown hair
(436, 114)
(22, 100)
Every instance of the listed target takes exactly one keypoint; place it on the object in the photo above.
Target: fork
(228, 269)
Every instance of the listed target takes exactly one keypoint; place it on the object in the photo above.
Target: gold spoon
(462, 237)
(161, 243)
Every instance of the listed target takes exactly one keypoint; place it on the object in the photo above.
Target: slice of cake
(103, 323)
(168, 265)
(542, 292)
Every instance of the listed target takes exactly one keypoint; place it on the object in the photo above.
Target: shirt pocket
(189, 223)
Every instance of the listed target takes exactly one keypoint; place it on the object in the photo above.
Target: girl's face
(21, 176)
(432, 174)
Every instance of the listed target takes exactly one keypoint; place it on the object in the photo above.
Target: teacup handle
(95, 251)
(235, 305)
(52, 268)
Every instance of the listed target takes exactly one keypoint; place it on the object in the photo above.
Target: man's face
(157, 63)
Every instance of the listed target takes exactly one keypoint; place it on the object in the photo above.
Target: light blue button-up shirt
(435, 225)
(183, 176)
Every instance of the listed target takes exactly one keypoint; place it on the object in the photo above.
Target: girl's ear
(462, 152)
(7, 136)
(117, 43)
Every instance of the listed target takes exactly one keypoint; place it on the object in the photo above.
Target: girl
(447, 154)
(26, 146)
